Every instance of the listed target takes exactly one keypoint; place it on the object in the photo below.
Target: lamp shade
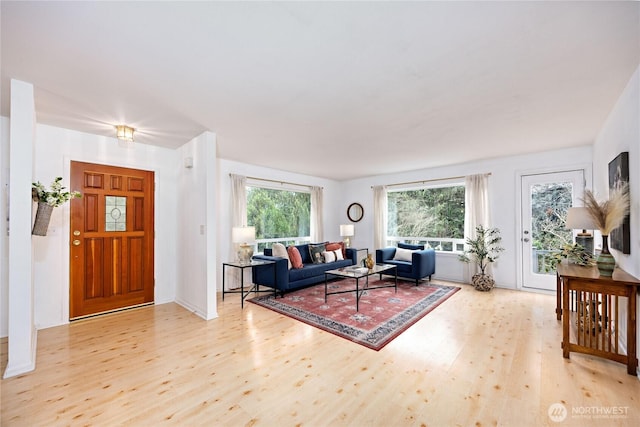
(346, 230)
(579, 218)
(243, 234)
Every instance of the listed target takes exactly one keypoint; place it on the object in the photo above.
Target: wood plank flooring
(479, 359)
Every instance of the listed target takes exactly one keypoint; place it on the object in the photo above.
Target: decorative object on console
(47, 200)
(355, 212)
(346, 232)
(483, 250)
(619, 177)
(244, 237)
(607, 216)
(579, 218)
(575, 254)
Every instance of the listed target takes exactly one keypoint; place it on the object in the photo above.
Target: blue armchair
(422, 264)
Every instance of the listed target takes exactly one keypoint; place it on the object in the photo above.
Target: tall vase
(605, 262)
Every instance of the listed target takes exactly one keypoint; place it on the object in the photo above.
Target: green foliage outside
(278, 213)
(427, 212)
(549, 206)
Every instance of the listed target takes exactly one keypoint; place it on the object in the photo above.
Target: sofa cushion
(329, 256)
(332, 246)
(304, 253)
(294, 257)
(315, 252)
(278, 249)
(403, 254)
(412, 247)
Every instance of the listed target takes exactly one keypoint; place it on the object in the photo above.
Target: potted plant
(47, 200)
(482, 250)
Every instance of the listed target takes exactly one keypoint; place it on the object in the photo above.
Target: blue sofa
(422, 264)
(288, 280)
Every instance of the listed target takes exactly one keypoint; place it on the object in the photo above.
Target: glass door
(546, 199)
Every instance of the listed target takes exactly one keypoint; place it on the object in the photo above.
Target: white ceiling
(333, 89)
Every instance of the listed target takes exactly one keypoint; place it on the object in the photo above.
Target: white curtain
(476, 212)
(317, 231)
(379, 216)
(238, 219)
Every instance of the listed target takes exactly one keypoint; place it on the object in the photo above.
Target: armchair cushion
(403, 254)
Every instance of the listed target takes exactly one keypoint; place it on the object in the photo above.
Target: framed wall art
(618, 175)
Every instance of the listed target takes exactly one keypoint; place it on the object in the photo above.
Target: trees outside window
(279, 216)
(431, 216)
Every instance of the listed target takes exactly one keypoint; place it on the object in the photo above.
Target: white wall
(333, 213)
(196, 227)
(504, 193)
(55, 149)
(620, 133)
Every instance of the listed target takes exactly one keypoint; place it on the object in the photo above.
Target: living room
(193, 225)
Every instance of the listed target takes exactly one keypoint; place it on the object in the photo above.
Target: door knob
(526, 239)
(76, 242)
(76, 232)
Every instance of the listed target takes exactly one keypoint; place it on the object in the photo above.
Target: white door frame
(588, 177)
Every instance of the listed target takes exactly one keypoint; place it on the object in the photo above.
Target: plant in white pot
(483, 250)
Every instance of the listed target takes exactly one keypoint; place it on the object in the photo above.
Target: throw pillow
(316, 253)
(337, 245)
(329, 256)
(338, 253)
(279, 250)
(295, 257)
(403, 254)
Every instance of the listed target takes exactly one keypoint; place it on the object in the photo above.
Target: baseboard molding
(187, 306)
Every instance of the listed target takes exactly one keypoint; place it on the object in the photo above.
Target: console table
(588, 305)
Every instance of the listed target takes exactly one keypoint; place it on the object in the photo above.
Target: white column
(22, 331)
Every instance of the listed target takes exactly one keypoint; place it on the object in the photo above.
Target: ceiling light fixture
(125, 133)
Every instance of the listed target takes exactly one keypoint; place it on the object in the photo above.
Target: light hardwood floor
(479, 359)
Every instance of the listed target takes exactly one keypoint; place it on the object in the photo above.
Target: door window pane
(116, 213)
(549, 206)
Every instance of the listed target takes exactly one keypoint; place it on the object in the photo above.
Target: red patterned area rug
(384, 314)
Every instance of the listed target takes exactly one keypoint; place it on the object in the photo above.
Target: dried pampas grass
(610, 214)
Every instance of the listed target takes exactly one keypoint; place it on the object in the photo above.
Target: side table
(241, 266)
(588, 305)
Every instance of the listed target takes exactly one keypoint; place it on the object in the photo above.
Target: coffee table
(355, 272)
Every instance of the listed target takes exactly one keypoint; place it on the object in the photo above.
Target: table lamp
(579, 218)
(346, 232)
(245, 237)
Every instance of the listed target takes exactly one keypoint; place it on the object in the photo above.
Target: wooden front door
(111, 238)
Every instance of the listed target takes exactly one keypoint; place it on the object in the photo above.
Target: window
(432, 216)
(279, 216)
